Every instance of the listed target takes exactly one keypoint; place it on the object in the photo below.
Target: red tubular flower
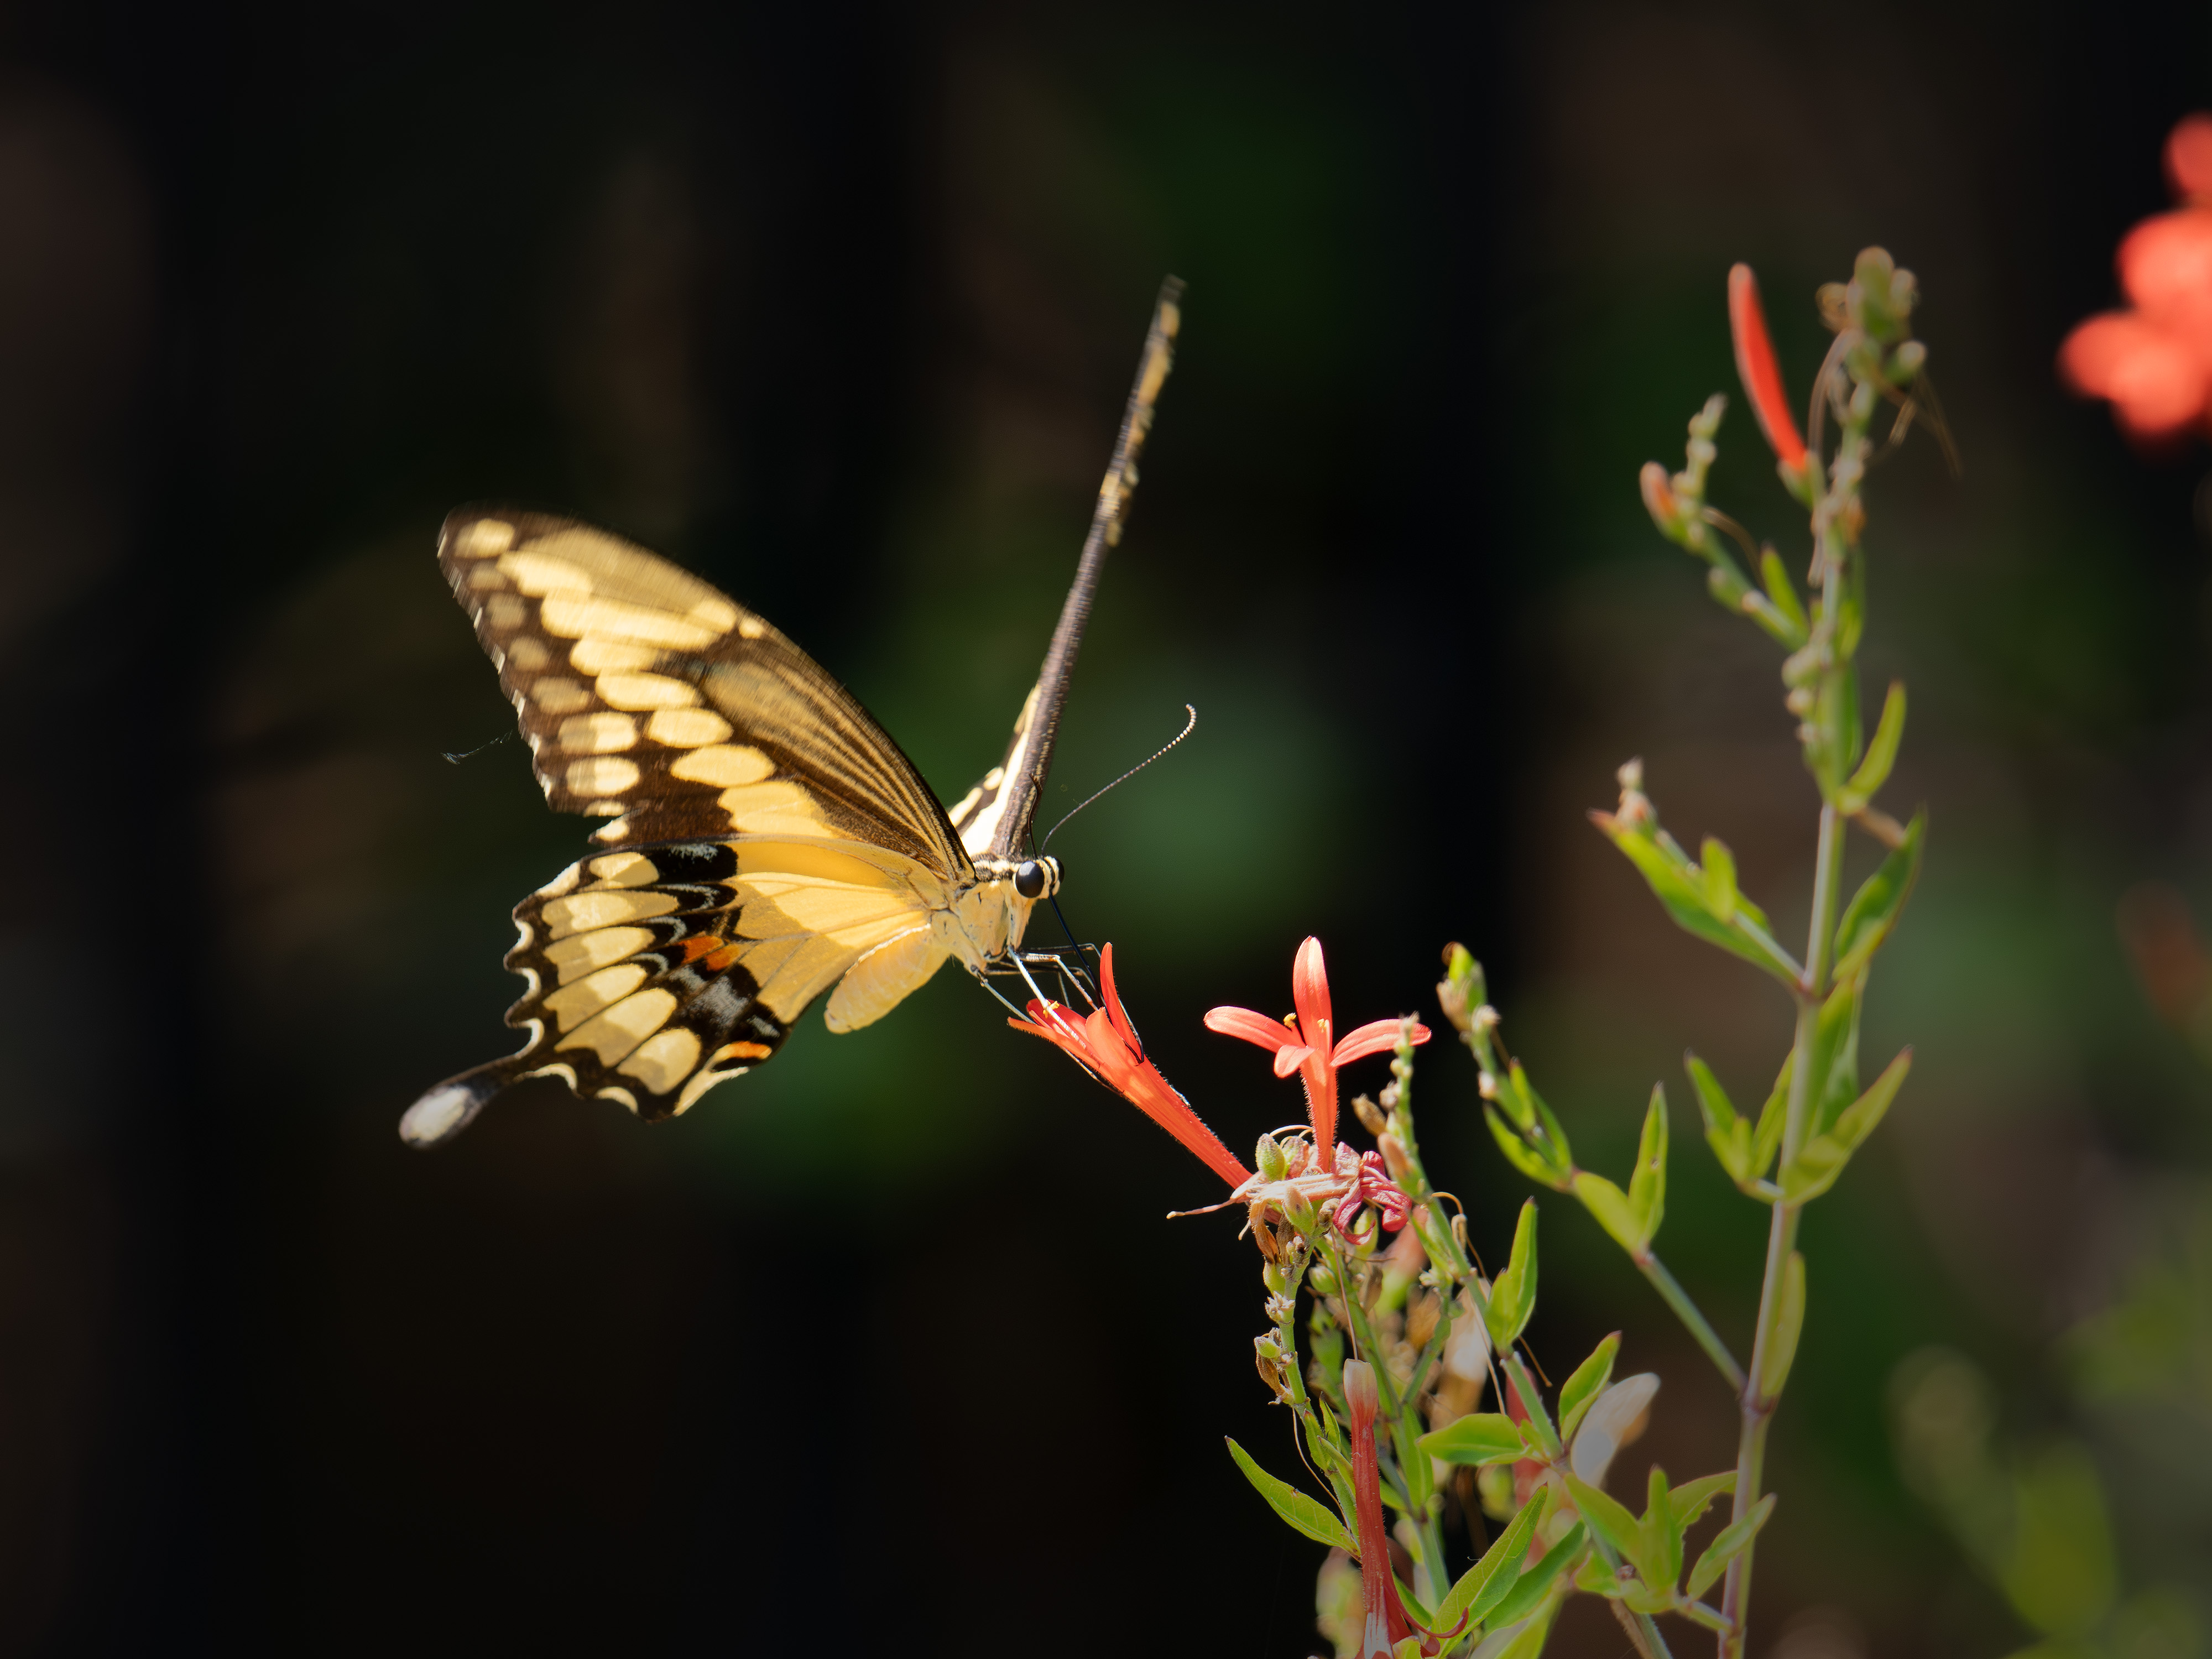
(2153, 363)
(1106, 1044)
(1387, 1621)
(1761, 375)
(1306, 1042)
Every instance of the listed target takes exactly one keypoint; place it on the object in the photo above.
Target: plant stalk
(1688, 1312)
(1757, 1409)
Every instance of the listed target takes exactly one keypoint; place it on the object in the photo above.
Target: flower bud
(1393, 1156)
(1659, 495)
(1370, 1115)
(1276, 1281)
(1361, 1394)
(1486, 1086)
(1300, 1212)
(1322, 1279)
(1267, 1159)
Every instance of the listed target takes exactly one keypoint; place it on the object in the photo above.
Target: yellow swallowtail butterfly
(767, 841)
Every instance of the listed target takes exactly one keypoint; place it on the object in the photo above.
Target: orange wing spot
(690, 950)
(741, 1051)
(726, 957)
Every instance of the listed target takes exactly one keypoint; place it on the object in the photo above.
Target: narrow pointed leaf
(1717, 865)
(1680, 887)
(1873, 911)
(1726, 1132)
(1307, 1515)
(1788, 1323)
(1766, 1137)
(1647, 1188)
(1881, 753)
(1835, 1052)
(1584, 1386)
(1490, 1580)
(1691, 1500)
(1780, 589)
(1609, 1518)
(1479, 1440)
(1822, 1159)
(1528, 1590)
(1519, 1153)
(1547, 1136)
(1612, 1208)
(1513, 1294)
(1661, 1559)
(1727, 1545)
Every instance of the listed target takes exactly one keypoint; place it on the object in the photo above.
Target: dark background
(888, 1348)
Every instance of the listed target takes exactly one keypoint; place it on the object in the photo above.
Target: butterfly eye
(1029, 880)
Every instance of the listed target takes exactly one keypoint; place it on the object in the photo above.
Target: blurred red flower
(1755, 366)
(1105, 1043)
(2153, 363)
(1305, 1043)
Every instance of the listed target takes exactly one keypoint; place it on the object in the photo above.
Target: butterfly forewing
(651, 698)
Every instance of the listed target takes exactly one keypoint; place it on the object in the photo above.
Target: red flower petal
(2189, 158)
(1310, 989)
(1756, 367)
(1372, 1038)
(1115, 1012)
(1252, 1028)
(1289, 1057)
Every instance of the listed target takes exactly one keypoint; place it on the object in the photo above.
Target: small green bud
(1322, 1279)
(1299, 1211)
(1267, 1159)
(1904, 366)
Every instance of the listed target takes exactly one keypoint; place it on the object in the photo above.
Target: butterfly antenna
(1190, 726)
(453, 759)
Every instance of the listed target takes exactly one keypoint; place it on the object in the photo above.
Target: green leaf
(1822, 1158)
(1719, 871)
(1783, 591)
(1680, 886)
(1790, 1321)
(1691, 1501)
(1307, 1515)
(1767, 1139)
(1612, 1208)
(1520, 1601)
(1519, 1153)
(1727, 1545)
(1647, 1188)
(1550, 1139)
(1661, 1560)
(1584, 1387)
(1835, 1051)
(1881, 755)
(1873, 911)
(1490, 1580)
(1483, 1439)
(1726, 1132)
(1608, 1517)
(2061, 1573)
(1513, 1293)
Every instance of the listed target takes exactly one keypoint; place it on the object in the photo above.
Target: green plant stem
(1687, 1311)
(1757, 1407)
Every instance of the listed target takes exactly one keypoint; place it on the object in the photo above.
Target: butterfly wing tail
(444, 1111)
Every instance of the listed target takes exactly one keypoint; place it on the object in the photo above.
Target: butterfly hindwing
(656, 972)
(651, 698)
